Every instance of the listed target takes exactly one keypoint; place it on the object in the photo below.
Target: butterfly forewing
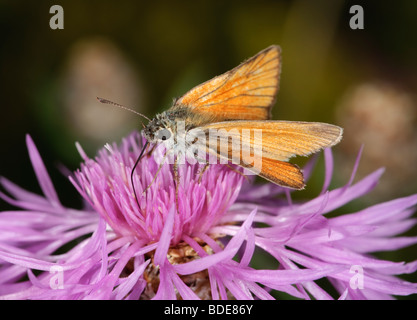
(277, 140)
(280, 140)
(246, 92)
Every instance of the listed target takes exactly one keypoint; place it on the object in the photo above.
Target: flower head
(184, 245)
(204, 196)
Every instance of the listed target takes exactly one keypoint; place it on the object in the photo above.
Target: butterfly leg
(149, 153)
(176, 181)
(237, 171)
(157, 172)
(202, 172)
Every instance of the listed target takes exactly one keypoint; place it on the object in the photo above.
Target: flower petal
(41, 173)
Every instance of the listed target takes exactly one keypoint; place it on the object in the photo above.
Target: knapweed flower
(200, 246)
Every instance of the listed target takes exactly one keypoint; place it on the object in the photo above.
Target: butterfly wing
(245, 92)
(282, 173)
(269, 144)
(280, 140)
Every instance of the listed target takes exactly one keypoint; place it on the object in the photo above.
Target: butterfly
(232, 107)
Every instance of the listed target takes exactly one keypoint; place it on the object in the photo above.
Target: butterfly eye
(163, 134)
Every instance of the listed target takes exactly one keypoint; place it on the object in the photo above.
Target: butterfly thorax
(167, 123)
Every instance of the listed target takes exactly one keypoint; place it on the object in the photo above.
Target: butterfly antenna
(105, 101)
(133, 170)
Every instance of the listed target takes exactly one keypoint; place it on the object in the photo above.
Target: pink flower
(115, 249)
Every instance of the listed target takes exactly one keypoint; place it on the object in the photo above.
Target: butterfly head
(159, 129)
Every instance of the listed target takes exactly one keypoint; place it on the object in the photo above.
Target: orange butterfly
(242, 99)
(233, 103)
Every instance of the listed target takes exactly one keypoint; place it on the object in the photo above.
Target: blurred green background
(144, 53)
